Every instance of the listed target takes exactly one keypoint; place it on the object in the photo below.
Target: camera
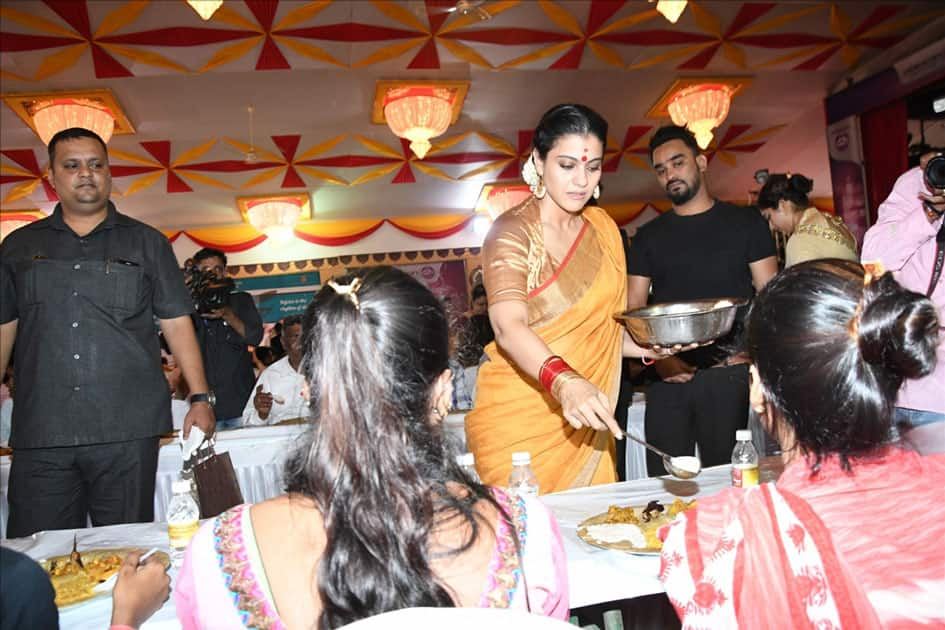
(208, 292)
(935, 173)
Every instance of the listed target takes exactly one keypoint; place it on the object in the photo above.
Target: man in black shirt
(703, 248)
(224, 334)
(79, 292)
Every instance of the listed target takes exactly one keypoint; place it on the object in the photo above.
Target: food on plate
(617, 532)
(74, 579)
(75, 576)
(634, 529)
(617, 514)
(680, 506)
(652, 511)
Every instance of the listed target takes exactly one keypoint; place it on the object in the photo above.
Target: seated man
(278, 395)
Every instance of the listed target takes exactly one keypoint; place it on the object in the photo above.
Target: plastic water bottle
(183, 518)
(188, 476)
(522, 481)
(744, 460)
(467, 462)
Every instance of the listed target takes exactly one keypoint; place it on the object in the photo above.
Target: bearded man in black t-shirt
(702, 249)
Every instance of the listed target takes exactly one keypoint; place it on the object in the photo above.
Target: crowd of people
(838, 359)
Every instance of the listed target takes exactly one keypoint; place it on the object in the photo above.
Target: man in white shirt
(278, 391)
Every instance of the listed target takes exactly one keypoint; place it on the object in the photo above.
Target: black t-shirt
(228, 364)
(701, 256)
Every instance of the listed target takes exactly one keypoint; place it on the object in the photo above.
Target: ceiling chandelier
(205, 8)
(701, 108)
(418, 114)
(671, 9)
(52, 116)
(276, 218)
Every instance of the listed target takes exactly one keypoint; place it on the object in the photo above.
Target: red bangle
(551, 369)
(647, 361)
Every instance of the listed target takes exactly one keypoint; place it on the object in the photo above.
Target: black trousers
(707, 410)
(59, 488)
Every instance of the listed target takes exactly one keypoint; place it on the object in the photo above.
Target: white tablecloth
(595, 575)
(257, 453)
(95, 614)
(600, 575)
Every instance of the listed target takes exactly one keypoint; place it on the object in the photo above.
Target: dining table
(258, 455)
(595, 575)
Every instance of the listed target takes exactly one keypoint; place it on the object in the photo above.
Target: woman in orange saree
(555, 275)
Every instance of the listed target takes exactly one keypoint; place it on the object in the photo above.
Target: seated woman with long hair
(378, 515)
(851, 534)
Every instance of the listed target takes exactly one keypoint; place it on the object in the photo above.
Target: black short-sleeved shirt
(701, 256)
(226, 359)
(87, 356)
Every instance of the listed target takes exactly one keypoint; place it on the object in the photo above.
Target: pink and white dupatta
(804, 582)
(835, 550)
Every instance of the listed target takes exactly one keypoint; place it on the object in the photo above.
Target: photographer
(226, 322)
(908, 240)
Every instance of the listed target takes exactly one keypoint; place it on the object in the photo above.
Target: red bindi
(584, 158)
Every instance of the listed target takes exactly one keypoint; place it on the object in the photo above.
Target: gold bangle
(561, 380)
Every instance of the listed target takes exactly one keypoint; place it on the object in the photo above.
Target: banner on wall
(279, 282)
(279, 296)
(445, 279)
(847, 174)
(275, 306)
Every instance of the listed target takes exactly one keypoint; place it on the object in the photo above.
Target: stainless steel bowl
(681, 323)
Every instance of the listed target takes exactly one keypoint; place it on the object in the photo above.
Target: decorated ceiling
(307, 71)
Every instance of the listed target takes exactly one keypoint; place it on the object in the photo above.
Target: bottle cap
(743, 435)
(180, 486)
(521, 458)
(466, 459)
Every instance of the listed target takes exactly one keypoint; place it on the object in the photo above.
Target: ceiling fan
(465, 8)
(250, 155)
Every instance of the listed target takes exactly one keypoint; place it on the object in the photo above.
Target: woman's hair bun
(801, 184)
(898, 330)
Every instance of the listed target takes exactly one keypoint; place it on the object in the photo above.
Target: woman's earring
(597, 191)
(540, 189)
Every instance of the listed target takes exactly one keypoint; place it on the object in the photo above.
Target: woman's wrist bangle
(563, 379)
(553, 367)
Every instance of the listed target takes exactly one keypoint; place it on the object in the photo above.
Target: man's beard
(686, 194)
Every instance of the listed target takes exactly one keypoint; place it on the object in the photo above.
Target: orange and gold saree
(570, 306)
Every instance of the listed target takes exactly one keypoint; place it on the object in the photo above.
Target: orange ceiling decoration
(311, 68)
(232, 238)
(337, 233)
(21, 168)
(182, 171)
(13, 220)
(282, 35)
(326, 233)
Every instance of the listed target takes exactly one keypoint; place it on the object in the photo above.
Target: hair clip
(349, 290)
(871, 271)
